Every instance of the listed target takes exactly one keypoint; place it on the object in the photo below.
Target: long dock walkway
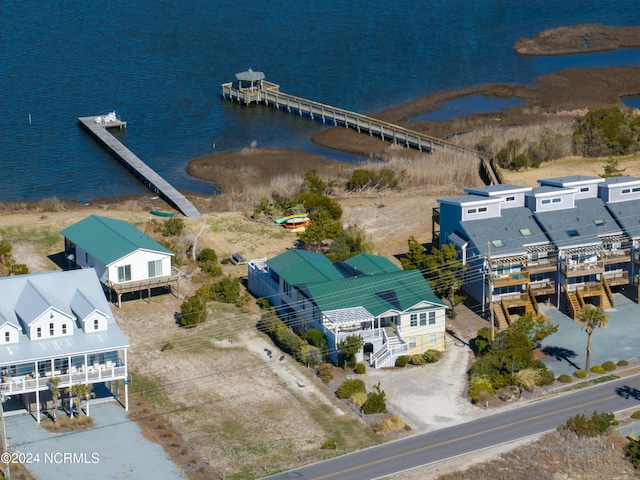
(98, 128)
(251, 87)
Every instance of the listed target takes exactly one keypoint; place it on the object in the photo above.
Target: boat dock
(98, 128)
(251, 87)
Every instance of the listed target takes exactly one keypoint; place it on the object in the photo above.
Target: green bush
(358, 399)
(349, 387)
(173, 227)
(376, 401)
(263, 303)
(479, 384)
(597, 369)
(636, 415)
(609, 366)
(417, 359)
(583, 426)
(546, 377)
(361, 369)
(431, 356)
(564, 378)
(308, 355)
(623, 363)
(632, 451)
(329, 445)
(402, 360)
(212, 269)
(325, 372)
(192, 311)
(208, 255)
(580, 374)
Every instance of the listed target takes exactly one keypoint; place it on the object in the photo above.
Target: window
(497, 243)
(412, 342)
(573, 233)
(546, 201)
(625, 190)
(599, 222)
(584, 189)
(39, 332)
(511, 199)
(482, 209)
(52, 329)
(7, 336)
(155, 268)
(96, 324)
(433, 338)
(472, 210)
(86, 258)
(287, 289)
(526, 232)
(414, 320)
(556, 200)
(423, 319)
(635, 189)
(432, 318)
(64, 328)
(124, 273)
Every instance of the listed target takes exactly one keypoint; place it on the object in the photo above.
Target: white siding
(9, 334)
(139, 263)
(51, 316)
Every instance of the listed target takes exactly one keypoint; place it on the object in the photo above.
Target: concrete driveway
(567, 348)
(114, 449)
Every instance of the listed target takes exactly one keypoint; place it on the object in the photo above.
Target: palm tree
(81, 392)
(54, 387)
(592, 317)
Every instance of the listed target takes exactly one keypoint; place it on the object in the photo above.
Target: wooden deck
(154, 182)
(270, 95)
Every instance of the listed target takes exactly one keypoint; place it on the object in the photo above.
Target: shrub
(361, 369)
(597, 369)
(623, 363)
(192, 311)
(349, 387)
(528, 378)
(389, 423)
(417, 360)
(376, 402)
(173, 227)
(263, 303)
(211, 269)
(402, 360)
(431, 356)
(478, 385)
(325, 372)
(580, 374)
(308, 355)
(636, 415)
(598, 424)
(226, 290)
(564, 378)
(329, 444)
(208, 255)
(632, 451)
(609, 366)
(546, 376)
(358, 399)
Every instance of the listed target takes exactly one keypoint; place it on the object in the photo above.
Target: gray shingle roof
(628, 215)
(60, 288)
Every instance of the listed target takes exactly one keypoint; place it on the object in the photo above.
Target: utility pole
(491, 317)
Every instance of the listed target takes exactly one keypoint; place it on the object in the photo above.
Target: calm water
(468, 105)
(160, 64)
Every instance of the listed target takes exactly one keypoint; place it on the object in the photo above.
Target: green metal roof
(108, 240)
(299, 267)
(370, 264)
(400, 290)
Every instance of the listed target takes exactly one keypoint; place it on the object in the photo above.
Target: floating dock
(98, 128)
(251, 87)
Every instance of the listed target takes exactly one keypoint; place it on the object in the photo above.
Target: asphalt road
(492, 430)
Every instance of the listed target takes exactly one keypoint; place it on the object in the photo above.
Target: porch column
(37, 394)
(86, 369)
(126, 383)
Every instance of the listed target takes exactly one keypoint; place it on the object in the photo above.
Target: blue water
(468, 105)
(632, 101)
(160, 64)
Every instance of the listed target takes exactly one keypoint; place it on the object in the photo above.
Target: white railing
(22, 384)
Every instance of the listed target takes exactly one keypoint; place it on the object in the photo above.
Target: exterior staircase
(391, 349)
(574, 304)
(607, 298)
(499, 318)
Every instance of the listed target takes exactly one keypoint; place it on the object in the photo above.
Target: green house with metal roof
(125, 259)
(394, 311)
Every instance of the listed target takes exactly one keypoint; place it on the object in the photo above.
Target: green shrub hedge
(431, 356)
(402, 361)
(361, 369)
(417, 360)
(609, 366)
(597, 369)
(349, 387)
(564, 378)
(580, 374)
(623, 363)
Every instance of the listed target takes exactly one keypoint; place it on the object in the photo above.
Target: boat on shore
(294, 223)
(291, 217)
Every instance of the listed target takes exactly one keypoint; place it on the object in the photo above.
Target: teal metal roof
(370, 264)
(108, 240)
(299, 267)
(400, 290)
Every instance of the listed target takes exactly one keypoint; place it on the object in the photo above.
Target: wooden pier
(250, 87)
(98, 128)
